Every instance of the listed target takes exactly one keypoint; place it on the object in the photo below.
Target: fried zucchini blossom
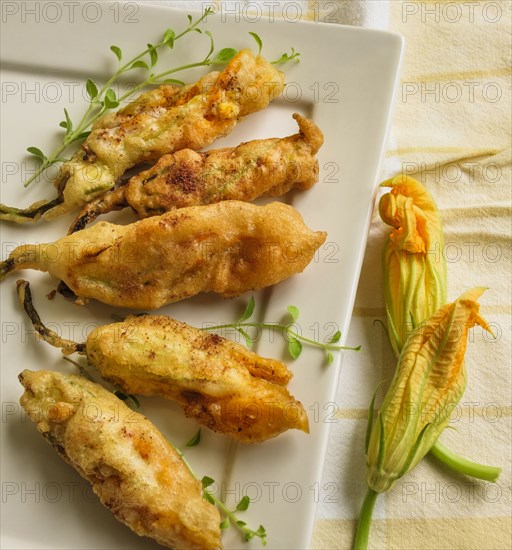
(221, 384)
(229, 248)
(136, 473)
(261, 167)
(429, 381)
(414, 268)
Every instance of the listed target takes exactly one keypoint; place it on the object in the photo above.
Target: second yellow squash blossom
(413, 263)
(428, 383)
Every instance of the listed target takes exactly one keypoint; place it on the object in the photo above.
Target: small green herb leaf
(207, 481)
(293, 56)
(139, 65)
(294, 312)
(225, 523)
(69, 122)
(91, 89)
(248, 340)
(294, 347)
(111, 104)
(262, 533)
(330, 358)
(83, 135)
(258, 41)
(110, 100)
(169, 36)
(195, 440)
(336, 337)
(225, 55)
(117, 52)
(172, 81)
(153, 55)
(38, 153)
(249, 310)
(243, 504)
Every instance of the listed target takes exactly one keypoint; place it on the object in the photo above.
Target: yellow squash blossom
(413, 263)
(428, 337)
(428, 383)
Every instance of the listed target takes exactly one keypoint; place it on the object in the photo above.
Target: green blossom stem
(365, 519)
(463, 465)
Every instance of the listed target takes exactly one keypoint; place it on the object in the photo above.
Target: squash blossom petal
(414, 268)
(428, 383)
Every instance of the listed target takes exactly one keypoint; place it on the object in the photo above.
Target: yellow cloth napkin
(451, 131)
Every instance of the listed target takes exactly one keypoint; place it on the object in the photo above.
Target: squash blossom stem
(464, 466)
(365, 518)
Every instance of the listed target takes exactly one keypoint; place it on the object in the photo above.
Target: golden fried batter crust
(188, 178)
(167, 120)
(135, 472)
(158, 122)
(220, 383)
(228, 248)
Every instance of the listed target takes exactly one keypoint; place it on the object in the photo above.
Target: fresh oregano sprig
(104, 98)
(294, 339)
(230, 516)
(285, 57)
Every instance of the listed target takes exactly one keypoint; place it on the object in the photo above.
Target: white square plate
(346, 82)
